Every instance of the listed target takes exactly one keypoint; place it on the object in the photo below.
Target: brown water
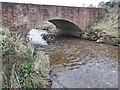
(79, 63)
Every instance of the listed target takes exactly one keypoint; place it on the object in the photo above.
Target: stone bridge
(24, 17)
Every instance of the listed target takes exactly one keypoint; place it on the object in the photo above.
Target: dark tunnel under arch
(67, 27)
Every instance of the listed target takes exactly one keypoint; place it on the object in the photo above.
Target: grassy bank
(105, 30)
(21, 66)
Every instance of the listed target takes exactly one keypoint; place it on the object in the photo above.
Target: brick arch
(67, 27)
(64, 24)
(24, 17)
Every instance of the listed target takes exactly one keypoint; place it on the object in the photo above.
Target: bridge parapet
(24, 17)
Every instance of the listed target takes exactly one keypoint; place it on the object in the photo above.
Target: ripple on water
(93, 74)
(83, 64)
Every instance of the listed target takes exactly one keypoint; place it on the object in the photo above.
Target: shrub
(17, 61)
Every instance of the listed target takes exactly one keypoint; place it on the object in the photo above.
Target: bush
(17, 61)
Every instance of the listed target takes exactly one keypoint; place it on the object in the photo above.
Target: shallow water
(79, 63)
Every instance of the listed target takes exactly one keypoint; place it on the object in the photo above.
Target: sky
(77, 3)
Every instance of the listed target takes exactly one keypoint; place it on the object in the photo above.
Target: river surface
(80, 63)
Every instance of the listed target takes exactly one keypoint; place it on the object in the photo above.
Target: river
(78, 63)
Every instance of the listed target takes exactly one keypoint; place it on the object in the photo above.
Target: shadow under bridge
(66, 27)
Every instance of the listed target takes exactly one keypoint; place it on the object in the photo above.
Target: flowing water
(80, 63)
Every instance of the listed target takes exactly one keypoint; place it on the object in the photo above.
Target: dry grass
(18, 61)
(107, 27)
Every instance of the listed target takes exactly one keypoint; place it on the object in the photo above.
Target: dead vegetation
(106, 30)
(20, 67)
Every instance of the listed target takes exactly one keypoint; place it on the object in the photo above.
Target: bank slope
(106, 29)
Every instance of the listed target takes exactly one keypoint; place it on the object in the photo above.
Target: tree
(114, 1)
(90, 5)
(108, 4)
(83, 5)
(102, 5)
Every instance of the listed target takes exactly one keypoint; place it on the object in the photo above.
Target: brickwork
(19, 16)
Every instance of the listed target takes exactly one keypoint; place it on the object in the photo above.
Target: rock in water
(40, 37)
(35, 37)
(49, 38)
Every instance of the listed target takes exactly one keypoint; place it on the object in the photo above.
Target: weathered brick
(26, 16)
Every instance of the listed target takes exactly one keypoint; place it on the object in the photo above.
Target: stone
(49, 38)
(35, 37)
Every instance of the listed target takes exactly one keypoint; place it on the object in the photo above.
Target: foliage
(91, 5)
(114, 1)
(46, 25)
(107, 5)
(102, 5)
(106, 29)
(18, 60)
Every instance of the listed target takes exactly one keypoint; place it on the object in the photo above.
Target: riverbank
(27, 69)
(22, 67)
(106, 30)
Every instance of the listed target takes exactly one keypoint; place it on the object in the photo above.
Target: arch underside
(67, 27)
